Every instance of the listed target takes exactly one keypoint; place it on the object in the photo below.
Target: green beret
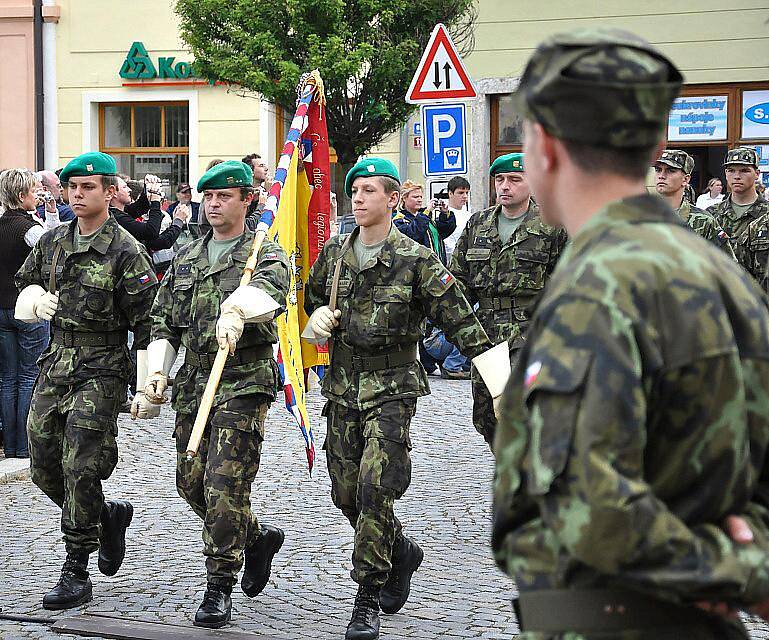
(370, 167)
(600, 87)
(227, 175)
(93, 163)
(507, 163)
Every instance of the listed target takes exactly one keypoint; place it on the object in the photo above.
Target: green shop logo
(139, 66)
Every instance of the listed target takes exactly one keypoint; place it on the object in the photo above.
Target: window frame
(134, 149)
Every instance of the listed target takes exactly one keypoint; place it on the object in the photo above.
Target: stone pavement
(457, 593)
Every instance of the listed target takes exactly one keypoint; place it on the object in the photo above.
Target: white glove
(494, 367)
(321, 323)
(35, 304)
(160, 359)
(245, 304)
(142, 408)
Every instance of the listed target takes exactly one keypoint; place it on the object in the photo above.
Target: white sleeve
(33, 235)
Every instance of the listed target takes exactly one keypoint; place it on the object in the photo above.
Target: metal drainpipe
(39, 115)
(50, 97)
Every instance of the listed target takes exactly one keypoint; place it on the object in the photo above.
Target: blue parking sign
(444, 149)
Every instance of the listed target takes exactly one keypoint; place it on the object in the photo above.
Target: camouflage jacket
(705, 225)
(618, 458)
(518, 270)
(752, 250)
(187, 307)
(107, 287)
(733, 225)
(383, 309)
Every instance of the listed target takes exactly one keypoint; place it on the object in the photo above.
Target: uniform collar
(198, 254)
(386, 256)
(756, 207)
(100, 242)
(529, 226)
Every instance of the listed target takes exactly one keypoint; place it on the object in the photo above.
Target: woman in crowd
(712, 196)
(21, 343)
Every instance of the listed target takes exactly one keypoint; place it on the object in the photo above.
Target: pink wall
(17, 84)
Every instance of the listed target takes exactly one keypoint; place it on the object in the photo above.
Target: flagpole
(307, 90)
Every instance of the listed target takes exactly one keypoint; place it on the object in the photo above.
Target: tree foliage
(366, 50)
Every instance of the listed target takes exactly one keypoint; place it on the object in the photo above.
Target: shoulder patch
(184, 269)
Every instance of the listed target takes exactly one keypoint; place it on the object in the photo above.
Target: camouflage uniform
(505, 282)
(104, 291)
(735, 226)
(705, 225)
(752, 249)
(217, 482)
(374, 380)
(618, 458)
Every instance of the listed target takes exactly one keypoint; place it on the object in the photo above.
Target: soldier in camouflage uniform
(100, 283)
(742, 205)
(620, 464)
(387, 284)
(502, 261)
(202, 306)
(673, 170)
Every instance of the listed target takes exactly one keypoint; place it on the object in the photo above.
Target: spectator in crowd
(458, 194)
(712, 195)
(261, 184)
(184, 196)
(51, 183)
(128, 215)
(21, 343)
(419, 224)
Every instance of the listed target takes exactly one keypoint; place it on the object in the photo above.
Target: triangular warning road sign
(440, 74)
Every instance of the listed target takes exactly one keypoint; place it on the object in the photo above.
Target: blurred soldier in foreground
(93, 282)
(673, 170)
(202, 306)
(503, 260)
(370, 292)
(633, 433)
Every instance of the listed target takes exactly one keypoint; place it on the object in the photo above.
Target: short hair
(214, 162)
(125, 176)
(628, 163)
(244, 191)
(136, 187)
(389, 184)
(12, 183)
(251, 156)
(109, 181)
(457, 182)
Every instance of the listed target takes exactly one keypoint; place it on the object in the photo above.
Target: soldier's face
(512, 188)
(741, 178)
(224, 209)
(88, 197)
(371, 205)
(669, 181)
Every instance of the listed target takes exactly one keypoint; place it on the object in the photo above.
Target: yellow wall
(93, 38)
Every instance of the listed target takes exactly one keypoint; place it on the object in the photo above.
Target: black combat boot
(364, 624)
(116, 515)
(259, 557)
(216, 609)
(74, 586)
(407, 556)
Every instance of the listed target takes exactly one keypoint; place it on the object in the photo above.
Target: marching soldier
(370, 294)
(741, 205)
(93, 282)
(617, 462)
(673, 170)
(202, 306)
(502, 260)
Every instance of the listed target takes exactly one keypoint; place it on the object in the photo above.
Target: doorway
(708, 161)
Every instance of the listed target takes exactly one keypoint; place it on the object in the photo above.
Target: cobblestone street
(457, 593)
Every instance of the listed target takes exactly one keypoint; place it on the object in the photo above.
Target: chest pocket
(531, 263)
(228, 285)
(97, 297)
(183, 297)
(390, 309)
(477, 254)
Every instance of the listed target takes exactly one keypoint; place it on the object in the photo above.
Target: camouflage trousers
(484, 420)
(370, 468)
(72, 434)
(217, 482)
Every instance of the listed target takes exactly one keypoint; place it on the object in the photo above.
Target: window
(147, 137)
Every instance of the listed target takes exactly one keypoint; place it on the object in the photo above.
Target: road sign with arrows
(440, 74)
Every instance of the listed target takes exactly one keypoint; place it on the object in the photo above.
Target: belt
(496, 303)
(599, 610)
(397, 357)
(242, 356)
(66, 338)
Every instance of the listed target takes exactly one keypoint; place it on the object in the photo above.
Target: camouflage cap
(742, 155)
(93, 163)
(227, 175)
(602, 87)
(677, 159)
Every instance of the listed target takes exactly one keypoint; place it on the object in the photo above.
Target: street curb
(14, 469)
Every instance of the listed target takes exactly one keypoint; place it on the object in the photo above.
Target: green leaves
(366, 50)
